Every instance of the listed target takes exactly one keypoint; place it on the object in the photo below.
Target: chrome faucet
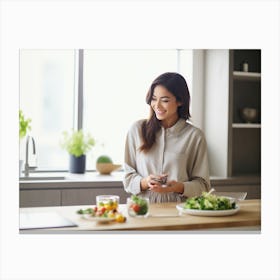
(27, 167)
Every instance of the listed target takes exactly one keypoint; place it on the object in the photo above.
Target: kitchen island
(163, 217)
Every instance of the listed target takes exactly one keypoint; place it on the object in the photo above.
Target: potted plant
(77, 144)
(24, 127)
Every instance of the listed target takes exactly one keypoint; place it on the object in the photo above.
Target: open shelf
(248, 76)
(245, 92)
(246, 125)
(235, 145)
(246, 156)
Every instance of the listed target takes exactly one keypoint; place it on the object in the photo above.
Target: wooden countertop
(163, 217)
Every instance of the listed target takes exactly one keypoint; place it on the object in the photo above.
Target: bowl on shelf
(249, 115)
(107, 168)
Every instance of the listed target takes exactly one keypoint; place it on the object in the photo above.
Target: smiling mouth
(160, 112)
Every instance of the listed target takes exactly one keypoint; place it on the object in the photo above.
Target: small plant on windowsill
(77, 144)
(24, 127)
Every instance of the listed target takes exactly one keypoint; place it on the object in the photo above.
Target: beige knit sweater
(180, 151)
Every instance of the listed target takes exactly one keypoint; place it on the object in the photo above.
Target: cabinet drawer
(88, 196)
(39, 198)
(78, 197)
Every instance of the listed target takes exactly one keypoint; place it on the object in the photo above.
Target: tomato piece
(135, 207)
(99, 213)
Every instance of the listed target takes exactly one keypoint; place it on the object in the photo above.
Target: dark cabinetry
(244, 92)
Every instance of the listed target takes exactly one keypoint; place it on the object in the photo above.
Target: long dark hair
(175, 84)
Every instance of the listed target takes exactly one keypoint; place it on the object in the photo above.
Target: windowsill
(63, 180)
(69, 180)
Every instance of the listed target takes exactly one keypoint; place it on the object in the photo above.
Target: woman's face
(165, 106)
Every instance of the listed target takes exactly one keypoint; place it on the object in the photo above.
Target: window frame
(196, 93)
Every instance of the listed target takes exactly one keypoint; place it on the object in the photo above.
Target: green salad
(208, 201)
(138, 206)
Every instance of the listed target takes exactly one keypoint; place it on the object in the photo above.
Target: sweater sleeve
(199, 174)
(131, 179)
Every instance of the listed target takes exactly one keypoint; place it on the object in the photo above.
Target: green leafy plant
(77, 143)
(24, 125)
(208, 201)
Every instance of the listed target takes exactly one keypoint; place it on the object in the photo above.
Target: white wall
(216, 110)
(197, 97)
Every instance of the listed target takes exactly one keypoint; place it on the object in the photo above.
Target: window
(115, 83)
(47, 97)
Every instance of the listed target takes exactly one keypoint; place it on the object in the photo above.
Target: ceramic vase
(77, 164)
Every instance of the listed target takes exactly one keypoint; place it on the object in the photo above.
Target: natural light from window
(115, 83)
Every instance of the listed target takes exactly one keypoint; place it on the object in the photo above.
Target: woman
(166, 145)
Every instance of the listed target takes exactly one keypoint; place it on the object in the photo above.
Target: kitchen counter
(163, 217)
(68, 180)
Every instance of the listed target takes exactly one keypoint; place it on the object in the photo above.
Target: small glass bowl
(110, 202)
(137, 206)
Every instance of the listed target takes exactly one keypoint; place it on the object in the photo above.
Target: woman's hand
(152, 181)
(171, 186)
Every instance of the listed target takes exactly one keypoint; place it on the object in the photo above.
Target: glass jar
(137, 206)
(110, 202)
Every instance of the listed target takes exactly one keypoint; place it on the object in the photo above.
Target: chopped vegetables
(137, 206)
(103, 212)
(85, 211)
(209, 202)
